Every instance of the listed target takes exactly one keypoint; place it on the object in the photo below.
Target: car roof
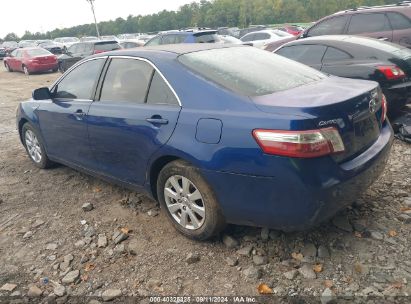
(177, 49)
(401, 6)
(363, 42)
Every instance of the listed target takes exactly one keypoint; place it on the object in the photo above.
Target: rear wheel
(188, 201)
(34, 147)
(26, 70)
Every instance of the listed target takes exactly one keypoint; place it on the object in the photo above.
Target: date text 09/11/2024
(203, 299)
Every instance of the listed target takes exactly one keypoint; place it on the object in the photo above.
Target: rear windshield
(38, 52)
(206, 38)
(109, 46)
(250, 71)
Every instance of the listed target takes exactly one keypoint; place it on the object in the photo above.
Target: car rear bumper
(302, 196)
(41, 67)
(398, 95)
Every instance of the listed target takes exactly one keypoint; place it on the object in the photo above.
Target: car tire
(26, 70)
(7, 67)
(35, 147)
(60, 68)
(198, 217)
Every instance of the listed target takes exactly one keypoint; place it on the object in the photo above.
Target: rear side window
(160, 93)
(333, 54)
(206, 38)
(332, 26)
(399, 21)
(80, 82)
(307, 54)
(127, 80)
(111, 46)
(368, 23)
(249, 71)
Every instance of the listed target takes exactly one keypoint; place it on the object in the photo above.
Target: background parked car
(390, 23)
(126, 44)
(10, 46)
(88, 38)
(261, 38)
(360, 58)
(184, 36)
(3, 52)
(292, 29)
(27, 43)
(109, 37)
(229, 31)
(31, 60)
(254, 28)
(81, 50)
(67, 41)
(52, 47)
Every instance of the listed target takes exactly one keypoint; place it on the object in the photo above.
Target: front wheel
(34, 147)
(188, 201)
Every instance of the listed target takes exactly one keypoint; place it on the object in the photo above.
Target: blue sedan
(217, 134)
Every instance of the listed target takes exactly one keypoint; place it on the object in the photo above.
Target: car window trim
(56, 83)
(336, 48)
(155, 69)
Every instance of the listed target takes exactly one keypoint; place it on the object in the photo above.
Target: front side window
(399, 21)
(368, 23)
(160, 93)
(80, 82)
(249, 71)
(332, 26)
(127, 80)
(173, 39)
(307, 54)
(249, 37)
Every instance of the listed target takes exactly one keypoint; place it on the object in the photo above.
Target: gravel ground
(52, 245)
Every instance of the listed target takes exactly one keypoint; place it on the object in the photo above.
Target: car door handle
(383, 39)
(157, 120)
(79, 113)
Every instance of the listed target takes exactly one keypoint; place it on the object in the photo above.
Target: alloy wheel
(33, 146)
(184, 202)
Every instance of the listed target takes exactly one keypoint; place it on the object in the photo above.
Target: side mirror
(42, 94)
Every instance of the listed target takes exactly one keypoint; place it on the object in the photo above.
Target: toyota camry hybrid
(217, 134)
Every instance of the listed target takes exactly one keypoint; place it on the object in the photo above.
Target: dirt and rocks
(65, 234)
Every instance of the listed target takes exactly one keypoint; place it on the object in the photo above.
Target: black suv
(81, 50)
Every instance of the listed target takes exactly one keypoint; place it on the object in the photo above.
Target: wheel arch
(155, 169)
(20, 126)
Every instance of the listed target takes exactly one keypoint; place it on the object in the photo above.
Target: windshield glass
(206, 37)
(250, 71)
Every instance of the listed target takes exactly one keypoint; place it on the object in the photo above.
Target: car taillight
(392, 72)
(302, 144)
(383, 108)
(98, 51)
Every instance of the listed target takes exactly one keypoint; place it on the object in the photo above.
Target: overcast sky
(43, 15)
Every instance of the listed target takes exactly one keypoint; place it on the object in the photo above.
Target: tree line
(214, 13)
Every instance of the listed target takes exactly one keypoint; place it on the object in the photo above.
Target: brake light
(302, 144)
(383, 108)
(392, 72)
(98, 51)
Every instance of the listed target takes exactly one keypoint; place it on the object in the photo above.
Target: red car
(292, 29)
(31, 60)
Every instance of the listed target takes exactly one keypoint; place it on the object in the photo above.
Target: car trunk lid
(351, 106)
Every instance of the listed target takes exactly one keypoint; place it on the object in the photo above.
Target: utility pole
(94, 14)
